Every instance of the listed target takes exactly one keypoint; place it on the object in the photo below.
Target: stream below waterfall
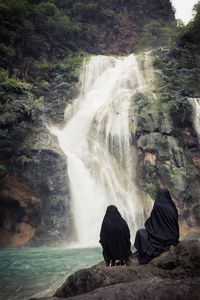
(37, 272)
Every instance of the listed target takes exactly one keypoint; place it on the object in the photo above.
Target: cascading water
(96, 141)
(195, 102)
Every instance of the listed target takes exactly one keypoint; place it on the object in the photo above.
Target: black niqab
(115, 235)
(161, 229)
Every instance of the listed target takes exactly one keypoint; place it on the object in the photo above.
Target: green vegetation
(172, 173)
(40, 59)
(17, 101)
(151, 189)
(191, 34)
(56, 81)
(177, 80)
(156, 33)
(142, 103)
(178, 64)
(166, 171)
(150, 182)
(8, 84)
(24, 159)
(31, 31)
(53, 29)
(43, 44)
(142, 109)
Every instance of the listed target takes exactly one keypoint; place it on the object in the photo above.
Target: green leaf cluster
(9, 84)
(190, 33)
(178, 78)
(157, 33)
(17, 101)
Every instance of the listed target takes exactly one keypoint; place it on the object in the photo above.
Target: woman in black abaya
(161, 229)
(115, 237)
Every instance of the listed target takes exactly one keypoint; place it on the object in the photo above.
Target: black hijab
(162, 225)
(115, 235)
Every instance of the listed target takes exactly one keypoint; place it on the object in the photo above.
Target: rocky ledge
(173, 275)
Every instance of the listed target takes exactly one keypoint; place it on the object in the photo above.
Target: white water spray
(195, 102)
(96, 141)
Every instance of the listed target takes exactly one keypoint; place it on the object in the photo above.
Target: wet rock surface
(34, 195)
(168, 156)
(19, 208)
(175, 274)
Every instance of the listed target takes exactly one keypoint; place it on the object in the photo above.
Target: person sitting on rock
(115, 238)
(161, 229)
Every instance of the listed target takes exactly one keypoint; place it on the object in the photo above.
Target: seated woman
(115, 238)
(161, 229)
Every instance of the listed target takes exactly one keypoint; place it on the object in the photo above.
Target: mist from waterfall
(195, 102)
(97, 142)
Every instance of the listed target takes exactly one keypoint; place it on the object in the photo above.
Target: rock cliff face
(167, 142)
(34, 197)
(173, 275)
(20, 209)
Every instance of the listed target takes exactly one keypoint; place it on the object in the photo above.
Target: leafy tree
(191, 33)
(156, 34)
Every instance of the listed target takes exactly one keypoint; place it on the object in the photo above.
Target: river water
(37, 272)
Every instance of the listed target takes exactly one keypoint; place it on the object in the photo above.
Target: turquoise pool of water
(36, 272)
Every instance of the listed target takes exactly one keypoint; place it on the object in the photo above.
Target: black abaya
(115, 236)
(161, 229)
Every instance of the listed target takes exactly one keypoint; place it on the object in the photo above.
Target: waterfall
(195, 102)
(96, 141)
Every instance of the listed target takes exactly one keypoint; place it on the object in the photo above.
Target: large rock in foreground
(173, 275)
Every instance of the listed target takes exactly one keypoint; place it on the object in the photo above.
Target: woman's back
(161, 229)
(162, 224)
(115, 235)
